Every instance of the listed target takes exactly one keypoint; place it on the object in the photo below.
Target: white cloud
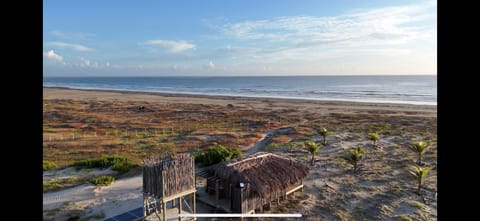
(71, 35)
(211, 65)
(88, 64)
(76, 47)
(302, 41)
(171, 46)
(381, 26)
(52, 55)
(85, 62)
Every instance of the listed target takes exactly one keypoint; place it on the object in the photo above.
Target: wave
(349, 96)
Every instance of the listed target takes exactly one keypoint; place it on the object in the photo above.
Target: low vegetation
(103, 180)
(117, 163)
(82, 131)
(52, 185)
(419, 173)
(324, 132)
(354, 155)
(48, 165)
(216, 154)
(99, 216)
(313, 148)
(374, 136)
(419, 148)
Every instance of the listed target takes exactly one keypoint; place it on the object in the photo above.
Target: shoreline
(248, 98)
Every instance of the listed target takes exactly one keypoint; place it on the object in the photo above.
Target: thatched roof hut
(264, 176)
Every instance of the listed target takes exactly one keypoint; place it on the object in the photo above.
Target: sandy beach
(82, 124)
(258, 103)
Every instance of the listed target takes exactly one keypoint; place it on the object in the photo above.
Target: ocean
(420, 90)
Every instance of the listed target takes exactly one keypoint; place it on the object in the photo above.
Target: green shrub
(47, 165)
(117, 163)
(99, 216)
(51, 185)
(403, 218)
(73, 180)
(103, 180)
(216, 154)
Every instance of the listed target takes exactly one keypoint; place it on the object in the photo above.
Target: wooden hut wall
(252, 200)
(166, 177)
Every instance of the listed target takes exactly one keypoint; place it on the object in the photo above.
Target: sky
(239, 37)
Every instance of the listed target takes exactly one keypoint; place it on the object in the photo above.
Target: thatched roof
(264, 173)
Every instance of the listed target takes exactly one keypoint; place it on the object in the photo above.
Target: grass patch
(417, 205)
(102, 180)
(117, 163)
(99, 216)
(403, 218)
(48, 165)
(51, 185)
(73, 180)
(53, 212)
(423, 217)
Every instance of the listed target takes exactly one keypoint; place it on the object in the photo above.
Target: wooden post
(217, 194)
(179, 207)
(194, 205)
(164, 204)
(144, 205)
(194, 186)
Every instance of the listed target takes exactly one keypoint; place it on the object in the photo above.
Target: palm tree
(313, 149)
(420, 148)
(361, 149)
(354, 155)
(419, 174)
(324, 132)
(373, 137)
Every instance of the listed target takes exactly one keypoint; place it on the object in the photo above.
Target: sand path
(121, 196)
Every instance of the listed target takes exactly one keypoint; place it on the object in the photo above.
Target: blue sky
(232, 38)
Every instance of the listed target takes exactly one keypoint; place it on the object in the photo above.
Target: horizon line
(326, 75)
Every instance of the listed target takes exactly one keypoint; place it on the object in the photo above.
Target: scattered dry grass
(381, 190)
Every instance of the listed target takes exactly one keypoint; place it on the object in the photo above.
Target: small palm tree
(354, 155)
(313, 149)
(373, 137)
(420, 148)
(361, 149)
(419, 174)
(324, 132)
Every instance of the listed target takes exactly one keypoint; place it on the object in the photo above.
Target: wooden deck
(222, 204)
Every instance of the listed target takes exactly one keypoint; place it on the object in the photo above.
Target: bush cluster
(117, 163)
(216, 154)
